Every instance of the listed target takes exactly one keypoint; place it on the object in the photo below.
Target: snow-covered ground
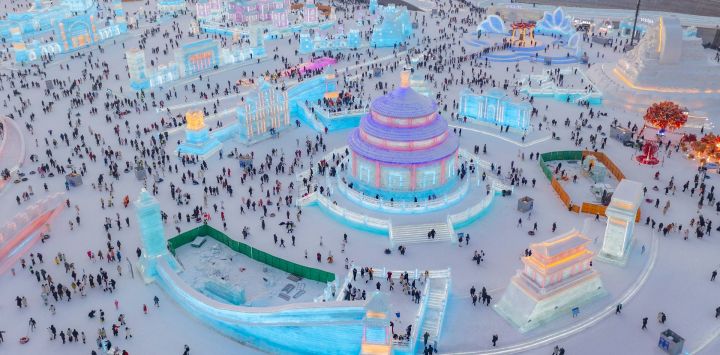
(672, 274)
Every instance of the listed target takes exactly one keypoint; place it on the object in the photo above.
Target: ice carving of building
(392, 28)
(495, 107)
(70, 26)
(310, 12)
(555, 23)
(170, 5)
(152, 234)
(492, 24)
(197, 136)
(666, 60)
(403, 148)
(190, 59)
(621, 214)
(264, 112)
(208, 9)
(254, 11)
(556, 278)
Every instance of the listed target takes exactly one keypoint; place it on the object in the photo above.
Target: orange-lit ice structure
(556, 278)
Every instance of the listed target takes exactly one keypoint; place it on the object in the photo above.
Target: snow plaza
(357, 177)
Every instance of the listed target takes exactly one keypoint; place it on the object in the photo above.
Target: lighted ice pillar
(373, 6)
(152, 235)
(197, 136)
(306, 43)
(621, 215)
(377, 337)
(353, 39)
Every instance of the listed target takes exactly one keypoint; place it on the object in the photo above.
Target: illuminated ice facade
(621, 214)
(377, 333)
(190, 59)
(170, 5)
(392, 28)
(556, 278)
(492, 24)
(309, 44)
(197, 136)
(495, 107)
(152, 234)
(207, 9)
(264, 112)
(555, 23)
(403, 148)
(254, 11)
(70, 26)
(310, 12)
(667, 59)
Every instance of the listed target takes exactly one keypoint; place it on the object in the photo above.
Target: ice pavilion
(403, 148)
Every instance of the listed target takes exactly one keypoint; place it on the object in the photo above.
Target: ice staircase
(417, 233)
(437, 303)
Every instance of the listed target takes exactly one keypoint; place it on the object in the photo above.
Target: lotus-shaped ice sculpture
(492, 24)
(555, 22)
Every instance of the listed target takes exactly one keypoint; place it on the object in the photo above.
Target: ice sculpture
(667, 61)
(373, 6)
(495, 107)
(555, 23)
(152, 235)
(197, 136)
(621, 221)
(492, 24)
(403, 148)
(377, 334)
(170, 5)
(556, 278)
(393, 28)
(264, 113)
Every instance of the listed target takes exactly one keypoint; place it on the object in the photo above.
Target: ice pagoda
(557, 278)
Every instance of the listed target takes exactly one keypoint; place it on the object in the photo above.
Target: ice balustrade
(406, 206)
(408, 347)
(370, 223)
(297, 328)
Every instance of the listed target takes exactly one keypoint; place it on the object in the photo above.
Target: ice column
(621, 221)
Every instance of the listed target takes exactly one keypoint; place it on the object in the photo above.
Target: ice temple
(403, 148)
(392, 28)
(557, 276)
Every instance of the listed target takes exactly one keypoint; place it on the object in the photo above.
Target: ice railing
(22, 219)
(200, 302)
(353, 217)
(405, 206)
(335, 114)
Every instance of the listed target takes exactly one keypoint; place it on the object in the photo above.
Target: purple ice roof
(443, 150)
(404, 103)
(374, 128)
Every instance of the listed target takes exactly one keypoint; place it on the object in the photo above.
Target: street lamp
(637, 12)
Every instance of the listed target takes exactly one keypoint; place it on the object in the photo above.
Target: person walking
(3, 332)
(714, 274)
(187, 350)
(494, 339)
(618, 308)
(644, 323)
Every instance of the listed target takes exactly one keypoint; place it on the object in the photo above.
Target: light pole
(637, 12)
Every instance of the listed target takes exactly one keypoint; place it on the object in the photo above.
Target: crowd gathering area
(356, 177)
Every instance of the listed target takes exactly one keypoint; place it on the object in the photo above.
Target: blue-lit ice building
(65, 27)
(190, 59)
(393, 27)
(495, 107)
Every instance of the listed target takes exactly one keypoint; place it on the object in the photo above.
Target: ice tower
(621, 221)
(557, 277)
(152, 235)
(197, 136)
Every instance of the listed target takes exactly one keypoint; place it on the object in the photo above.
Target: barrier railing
(253, 253)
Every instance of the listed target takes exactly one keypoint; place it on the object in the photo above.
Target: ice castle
(403, 148)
